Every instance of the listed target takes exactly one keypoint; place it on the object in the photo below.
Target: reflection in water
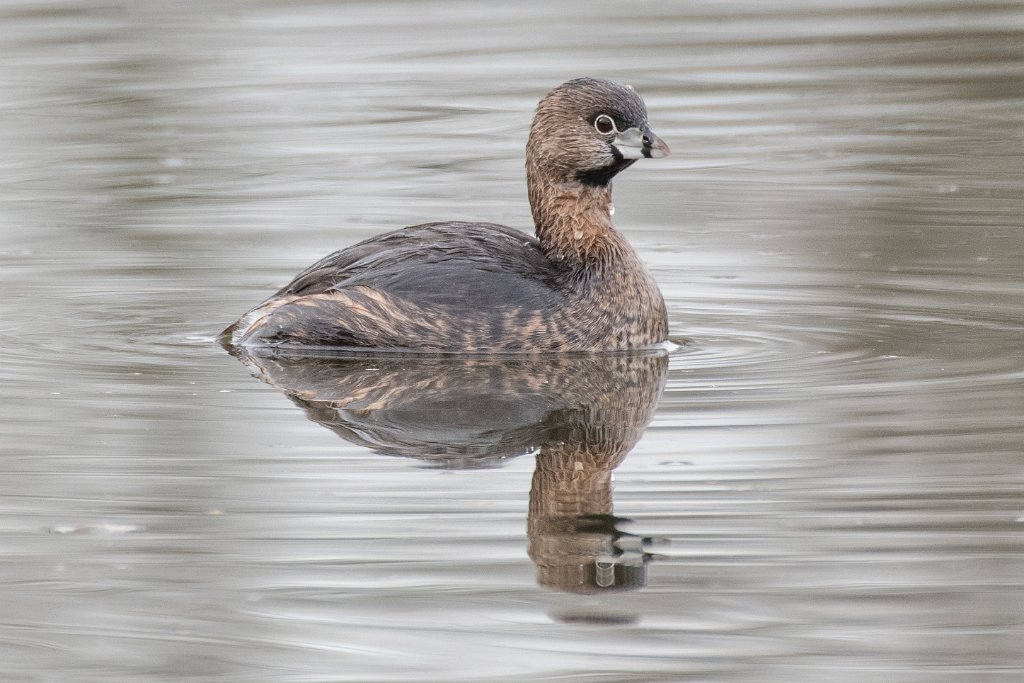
(581, 415)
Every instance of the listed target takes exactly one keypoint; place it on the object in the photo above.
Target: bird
(576, 285)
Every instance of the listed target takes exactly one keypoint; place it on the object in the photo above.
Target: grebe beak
(634, 143)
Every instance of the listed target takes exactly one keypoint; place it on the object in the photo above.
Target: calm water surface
(825, 482)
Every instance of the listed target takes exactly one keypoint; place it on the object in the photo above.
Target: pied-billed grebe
(480, 287)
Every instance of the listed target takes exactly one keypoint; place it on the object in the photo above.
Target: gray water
(824, 482)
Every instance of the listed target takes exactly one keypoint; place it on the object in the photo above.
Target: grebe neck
(574, 222)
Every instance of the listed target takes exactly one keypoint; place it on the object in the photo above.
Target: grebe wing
(440, 264)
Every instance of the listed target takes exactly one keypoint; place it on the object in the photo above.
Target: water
(831, 483)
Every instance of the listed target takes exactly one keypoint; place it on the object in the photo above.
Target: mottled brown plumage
(480, 287)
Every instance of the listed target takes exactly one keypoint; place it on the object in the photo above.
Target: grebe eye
(604, 124)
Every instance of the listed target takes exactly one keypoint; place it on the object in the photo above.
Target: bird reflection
(580, 415)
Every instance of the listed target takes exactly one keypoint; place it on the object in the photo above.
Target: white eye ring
(604, 125)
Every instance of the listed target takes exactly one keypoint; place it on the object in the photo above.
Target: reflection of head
(585, 554)
(580, 414)
(574, 538)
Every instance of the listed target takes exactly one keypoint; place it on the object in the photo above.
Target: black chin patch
(600, 177)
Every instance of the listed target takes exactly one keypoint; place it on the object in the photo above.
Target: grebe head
(587, 130)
